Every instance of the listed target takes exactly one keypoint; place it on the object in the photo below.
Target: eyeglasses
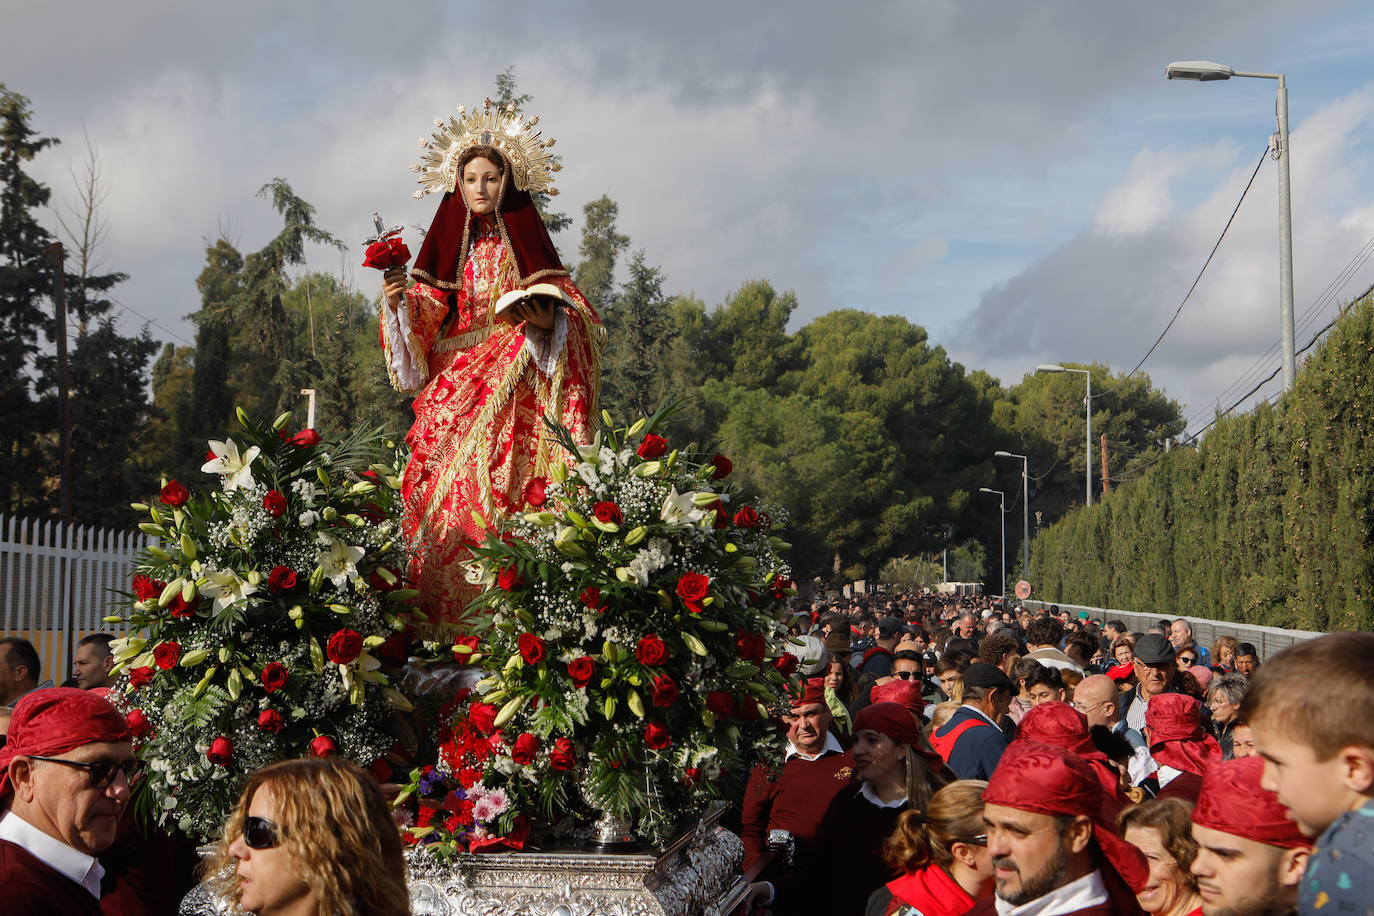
(979, 840)
(259, 833)
(906, 675)
(101, 772)
(1189, 660)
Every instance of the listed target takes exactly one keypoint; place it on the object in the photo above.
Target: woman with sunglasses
(312, 837)
(943, 856)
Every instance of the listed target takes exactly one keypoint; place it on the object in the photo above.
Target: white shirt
(1166, 774)
(54, 853)
(832, 744)
(1076, 895)
(981, 713)
(869, 795)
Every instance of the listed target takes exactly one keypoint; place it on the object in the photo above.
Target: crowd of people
(943, 757)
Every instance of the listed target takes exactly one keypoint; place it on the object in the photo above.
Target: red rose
(786, 663)
(524, 749)
(482, 716)
(751, 646)
(720, 467)
(270, 721)
(692, 588)
(591, 598)
(656, 736)
(281, 579)
(532, 648)
(384, 254)
(322, 746)
(651, 651)
(392, 651)
(663, 690)
(722, 519)
(182, 609)
(344, 646)
(781, 586)
(166, 654)
(608, 513)
(691, 776)
(138, 722)
(174, 494)
(509, 579)
(746, 517)
(400, 254)
(147, 589)
(582, 670)
(305, 438)
(470, 643)
(221, 751)
(275, 503)
(273, 677)
(563, 756)
(140, 677)
(652, 447)
(536, 493)
(721, 703)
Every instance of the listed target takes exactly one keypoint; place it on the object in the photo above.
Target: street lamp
(1002, 503)
(1088, 404)
(1025, 509)
(1205, 71)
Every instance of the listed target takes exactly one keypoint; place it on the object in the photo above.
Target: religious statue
(484, 376)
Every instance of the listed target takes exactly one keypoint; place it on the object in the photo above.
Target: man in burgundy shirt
(794, 799)
(64, 776)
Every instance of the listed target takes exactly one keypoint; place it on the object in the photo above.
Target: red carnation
(221, 751)
(305, 438)
(656, 736)
(746, 517)
(751, 646)
(138, 722)
(166, 654)
(182, 609)
(509, 579)
(692, 588)
(536, 493)
(270, 721)
(562, 757)
(720, 467)
(469, 642)
(482, 716)
(524, 749)
(273, 677)
(663, 690)
(281, 579)
(275, 503)
(344, 646)
(591, 598)
(532, 648)
(322, 746)
(174, 494)
(608, 513)
(582, 670)
(385, 254)
(786, 663)
(148, 589)
(140, 677)
(652, 447)
(651, 651)
(720, 702)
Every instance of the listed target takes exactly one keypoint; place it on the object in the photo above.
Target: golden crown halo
(531, 164)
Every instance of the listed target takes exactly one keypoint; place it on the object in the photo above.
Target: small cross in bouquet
(385, 250)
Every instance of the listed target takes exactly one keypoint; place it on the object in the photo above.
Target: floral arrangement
(269, 622)
(629, 651)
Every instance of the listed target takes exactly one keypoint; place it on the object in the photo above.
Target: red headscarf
(55, 720)
(1233, 802)
(901, 725)
(906, 693)
(1177, 738)
(1045, 779)
(809, 691)
(1063, 726)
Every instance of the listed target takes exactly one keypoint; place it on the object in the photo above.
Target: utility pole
(1106, 485)
(63, 384)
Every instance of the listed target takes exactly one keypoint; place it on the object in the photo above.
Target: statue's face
(481, 185)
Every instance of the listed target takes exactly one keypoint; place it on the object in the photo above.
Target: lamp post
(1025, 509)
(1088, 406)
(1002, 504)
(1206, 71)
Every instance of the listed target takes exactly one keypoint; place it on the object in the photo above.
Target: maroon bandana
(55, 720)
(1233, 802)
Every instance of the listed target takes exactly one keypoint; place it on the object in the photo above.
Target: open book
(538, 294)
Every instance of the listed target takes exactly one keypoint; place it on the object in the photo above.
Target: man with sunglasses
(65, 777)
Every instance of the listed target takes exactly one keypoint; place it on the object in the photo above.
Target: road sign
(1023, 589)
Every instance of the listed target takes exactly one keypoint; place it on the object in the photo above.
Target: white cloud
(1144, 199)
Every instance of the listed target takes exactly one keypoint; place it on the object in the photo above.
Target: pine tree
(601, 247)
(633, 378)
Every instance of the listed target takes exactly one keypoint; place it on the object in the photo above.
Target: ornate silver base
(610, 831)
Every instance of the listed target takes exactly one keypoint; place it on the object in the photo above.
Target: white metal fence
(57, 582)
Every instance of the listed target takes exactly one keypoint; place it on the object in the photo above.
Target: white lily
(680, 508)
(338, 560)
(591, 451)
(226, 588)
(235, 469)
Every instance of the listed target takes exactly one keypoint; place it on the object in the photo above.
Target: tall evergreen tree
(600, 249)
(206, 413)
(634, 375)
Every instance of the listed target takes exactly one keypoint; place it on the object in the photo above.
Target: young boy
(1311, 708)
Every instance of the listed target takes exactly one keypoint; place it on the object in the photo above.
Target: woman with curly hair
(312, 837)
(1162, 828)
(942, 856)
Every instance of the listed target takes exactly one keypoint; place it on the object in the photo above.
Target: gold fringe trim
(463, 341)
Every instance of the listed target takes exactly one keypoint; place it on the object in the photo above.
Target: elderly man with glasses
(65, 777)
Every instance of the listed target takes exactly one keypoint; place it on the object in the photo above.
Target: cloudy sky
(1018, 178)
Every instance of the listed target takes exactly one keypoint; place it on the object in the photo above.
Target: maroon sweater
(28, 887)
(793, 800)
